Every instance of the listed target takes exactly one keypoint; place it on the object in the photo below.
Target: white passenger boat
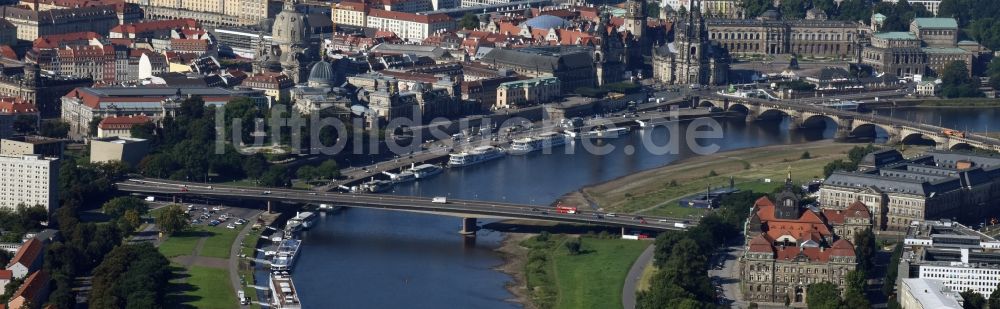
(284, 257)
(530, 144)
(476, 155)
(600, 133)
(424, 171)
(283, 293)
(306, 218)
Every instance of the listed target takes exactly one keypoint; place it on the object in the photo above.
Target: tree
(172, 220)
(117, 207)
(306, 172)
(131, 276)
(25, 124)
(92, 126)
(469, 21)
(573, 245)
(276, 176)
(144, 131)
(823, 295)
(805, 156)
(865, 248)
(994, 301)
(793, 9)
(328, 170)
(956, 81)
(130, 220)
(754, 8)
(973, 300)
(54, 129)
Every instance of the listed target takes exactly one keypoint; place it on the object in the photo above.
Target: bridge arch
(918, 139)
(819, 121)
(706, 103)
(773, 114)
(870, 130)
(740, 108)
(962, 146)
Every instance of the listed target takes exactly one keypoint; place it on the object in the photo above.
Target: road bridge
(469, 210)
(849, 123)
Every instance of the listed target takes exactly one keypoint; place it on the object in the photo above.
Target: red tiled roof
(7, 52)
(760, 243)
(34, 284)
(29, 251)
(842, 247)
(857, 210)
(6, 274)
(122, 122)
(10, 105)
(56, 40)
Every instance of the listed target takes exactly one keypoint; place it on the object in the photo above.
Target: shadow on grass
(177, 294)
(194, 233)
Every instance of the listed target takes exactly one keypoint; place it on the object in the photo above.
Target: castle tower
(635, 17)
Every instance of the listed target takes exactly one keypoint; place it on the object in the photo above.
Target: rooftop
(931, 293)
(935, 23)
(896, 35)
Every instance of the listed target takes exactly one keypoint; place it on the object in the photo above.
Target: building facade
(770, 35)
(29, 180)
(32, 24)
(225, 13)
(791, 247)
(409, 26)
(527, 92)
(957, 256)
(691, 58)
(899, 192)
(929, 46)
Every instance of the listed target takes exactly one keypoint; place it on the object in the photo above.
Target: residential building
(790, 247)
(14, 109)
(28, 258)
(957, 256)
(927, 88)
(29, 180)
(32, 145)
(5, 278)
(527, 92)
(931, 5)
(43, 90)
(408, 6)
(276, 86)
(226, 13)
(920, 293)
(81, 105)
(122, 149)
(127, 12)
(32, 24)
(410, 26)
(120, 126)
(154, 29)
(899, 192)
(103, 62)
(33, 292)
(350, 14)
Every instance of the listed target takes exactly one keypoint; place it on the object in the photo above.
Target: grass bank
(963, 102)
(210, 288)
(201, 286)
(591, 279)
(657, 191)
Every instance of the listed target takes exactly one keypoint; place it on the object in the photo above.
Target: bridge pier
(469, 227)
(751, 117)
(269, 207)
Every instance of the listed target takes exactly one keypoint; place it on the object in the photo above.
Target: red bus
(566, 209)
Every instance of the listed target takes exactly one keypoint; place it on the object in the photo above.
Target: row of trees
(682, 257)
(956, 81)
(852, 10)
(854, 157)
(131, 276)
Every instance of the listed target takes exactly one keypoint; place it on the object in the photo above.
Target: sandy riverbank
(514, 258)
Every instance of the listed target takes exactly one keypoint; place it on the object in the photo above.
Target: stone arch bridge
(849, 123)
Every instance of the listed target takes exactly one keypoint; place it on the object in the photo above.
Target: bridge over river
(469, 210)
(849, 123)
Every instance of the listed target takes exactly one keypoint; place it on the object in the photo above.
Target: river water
(360, 258)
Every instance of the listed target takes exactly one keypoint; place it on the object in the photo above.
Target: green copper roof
(936, 22)
(944, 50)
(896, 36)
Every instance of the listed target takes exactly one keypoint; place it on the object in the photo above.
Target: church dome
(290, 26)
(547, 22)
(321, 73)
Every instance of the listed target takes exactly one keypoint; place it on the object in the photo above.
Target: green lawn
(220, 242)
(592, 279)
(211, 288)
(182, 243)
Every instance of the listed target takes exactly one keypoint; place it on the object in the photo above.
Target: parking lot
(220, 216)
